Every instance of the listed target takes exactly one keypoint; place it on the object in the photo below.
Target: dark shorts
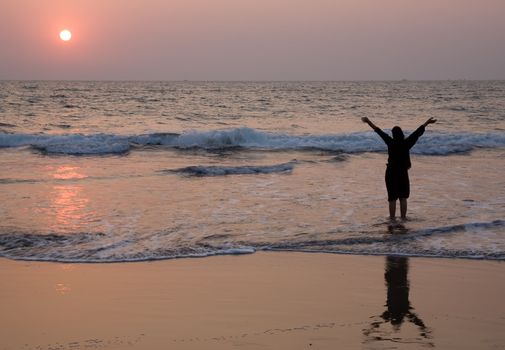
(397, 183)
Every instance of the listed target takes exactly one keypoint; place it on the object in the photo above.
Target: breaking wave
(402, 241)
(101, 247)
(432, 143)
(233, 170)
(75, 144)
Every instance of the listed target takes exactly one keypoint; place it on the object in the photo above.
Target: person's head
(398, 134)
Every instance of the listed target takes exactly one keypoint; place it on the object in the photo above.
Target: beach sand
(261, 301)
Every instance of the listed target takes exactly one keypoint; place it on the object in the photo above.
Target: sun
(65, 35)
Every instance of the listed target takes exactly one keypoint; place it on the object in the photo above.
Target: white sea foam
(432, 143)
(69, 144)
(84, 247)
(79, 144)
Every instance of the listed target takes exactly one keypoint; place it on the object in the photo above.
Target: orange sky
(253, 39)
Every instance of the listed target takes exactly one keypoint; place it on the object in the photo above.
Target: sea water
(127, 171)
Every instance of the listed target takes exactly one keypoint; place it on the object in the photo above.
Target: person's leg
(404, 193)
(403, 207)
(392, 209)
(391, 188)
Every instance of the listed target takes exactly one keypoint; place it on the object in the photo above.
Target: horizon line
(250, 80)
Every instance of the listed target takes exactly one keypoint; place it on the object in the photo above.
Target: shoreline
(244, 251)
(277, 300)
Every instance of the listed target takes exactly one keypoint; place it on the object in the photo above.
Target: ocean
(134, 171)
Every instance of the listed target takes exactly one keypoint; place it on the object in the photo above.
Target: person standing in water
(397, 171)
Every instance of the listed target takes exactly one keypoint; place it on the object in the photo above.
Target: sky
(253, 39)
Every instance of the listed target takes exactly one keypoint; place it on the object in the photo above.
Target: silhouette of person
(398, 308)
(397, 170)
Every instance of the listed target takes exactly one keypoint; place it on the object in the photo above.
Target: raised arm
(429, 121)
(385, 137)
(369, 122)
(412, 139)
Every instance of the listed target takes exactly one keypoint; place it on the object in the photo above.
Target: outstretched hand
(430, 121)
(369, 122)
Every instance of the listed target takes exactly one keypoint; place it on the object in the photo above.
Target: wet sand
(258, 301)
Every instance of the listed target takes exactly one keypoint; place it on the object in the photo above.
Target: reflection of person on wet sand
(398, 308)
(397, 171)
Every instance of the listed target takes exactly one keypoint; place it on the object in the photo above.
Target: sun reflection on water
(68, 173)
(69, 202)
(62, 289)
(69, 205)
